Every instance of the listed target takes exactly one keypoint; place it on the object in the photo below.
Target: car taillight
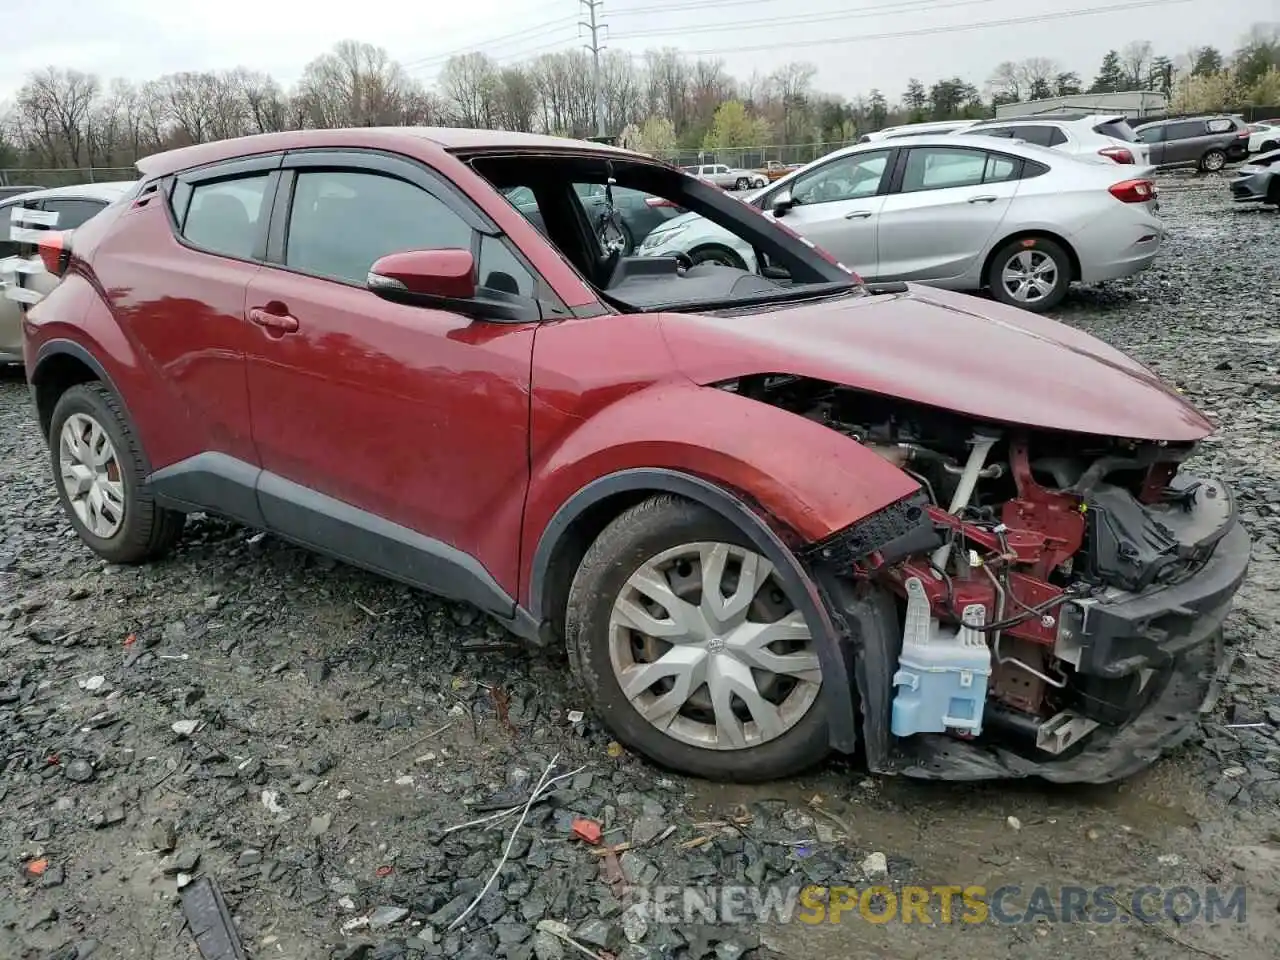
(658, 202)
(55, 251)
(1243, 134)
(1133, 191)
(1118, 154)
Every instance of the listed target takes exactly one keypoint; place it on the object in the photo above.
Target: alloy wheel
(1215, 161)
(1029, 276)
(708, 648)
(91, 475)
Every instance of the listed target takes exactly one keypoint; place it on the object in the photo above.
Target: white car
(1264, 137)
(960, 212)
(916, 129)
(1101, 135)
(728, 178)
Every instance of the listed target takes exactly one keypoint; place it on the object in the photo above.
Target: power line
(913, 6)
(927, 31)
(517, 37)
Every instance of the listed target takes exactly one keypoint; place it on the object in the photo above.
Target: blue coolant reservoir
(942, 672)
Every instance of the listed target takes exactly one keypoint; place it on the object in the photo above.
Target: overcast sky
(846, 41)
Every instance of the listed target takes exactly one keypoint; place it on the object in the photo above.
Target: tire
(714, 253)
(1213, 161)
(742, 183)
(760, 182)
(1033, 251)
(128, 526)
(602, 651)
(628, 241)
(1269, 146)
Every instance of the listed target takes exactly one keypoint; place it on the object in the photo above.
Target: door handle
(858, 215)
(982, 199)
(279, 322)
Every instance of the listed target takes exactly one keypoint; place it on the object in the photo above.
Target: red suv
(769, 513)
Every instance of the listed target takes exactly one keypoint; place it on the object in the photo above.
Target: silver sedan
(954, 211)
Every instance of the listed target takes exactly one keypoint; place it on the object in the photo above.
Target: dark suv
(1204, 142)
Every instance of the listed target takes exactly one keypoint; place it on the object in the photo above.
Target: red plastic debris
(53, 759)
(130, 640)
(383, 871)
(587, 830)
(36, 868)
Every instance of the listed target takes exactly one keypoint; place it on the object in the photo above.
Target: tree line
(663, 101)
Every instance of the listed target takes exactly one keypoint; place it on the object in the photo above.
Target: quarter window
(342, 221)
(1001, 168)
(73, 213)
(937, 168)
(224, 215)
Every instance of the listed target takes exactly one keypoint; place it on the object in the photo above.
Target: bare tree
(1006, 81)
(1136, 60)
(1038, 74)
(469, 84)
(55, 107)
(353, 85)
(266, 104)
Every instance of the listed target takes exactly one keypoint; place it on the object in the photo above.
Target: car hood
(947, 350)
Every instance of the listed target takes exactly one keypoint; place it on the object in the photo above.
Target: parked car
(13, 191)
(776, 170)
(60, 208)
(1258, 181)
(639, 213)
(726, 493)
(1099, 135)
(916, 129)
(1264, 137)
(1208, 143)
(961, 212)
(728, 178)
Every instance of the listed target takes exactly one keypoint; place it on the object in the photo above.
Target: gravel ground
(303, 735)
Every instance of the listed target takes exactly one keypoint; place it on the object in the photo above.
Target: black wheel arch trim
(834, 652)
(62, 347)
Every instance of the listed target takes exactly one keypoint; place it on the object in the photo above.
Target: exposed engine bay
(1023, 571)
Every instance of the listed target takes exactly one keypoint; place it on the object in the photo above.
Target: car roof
(1198, 116)
(445, 139)
(108, 191)
(1093, 118)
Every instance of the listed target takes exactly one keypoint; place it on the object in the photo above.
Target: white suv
(1102, 135)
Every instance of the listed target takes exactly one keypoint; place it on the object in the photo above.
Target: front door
(837, 206)
(394, 435)
(942, 210)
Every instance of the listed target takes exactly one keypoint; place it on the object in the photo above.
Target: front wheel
(101, 472)
(713, 253)
(742, 183)
(1213, 161)
(1032, 273)
(1269, 146)
(690, 648)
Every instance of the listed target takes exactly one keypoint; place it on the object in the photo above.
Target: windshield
(658, 239)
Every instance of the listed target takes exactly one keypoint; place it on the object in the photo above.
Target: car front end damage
(1048, 604)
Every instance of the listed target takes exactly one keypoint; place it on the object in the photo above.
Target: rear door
(837, 206)
(943, 206)
(1185, 141)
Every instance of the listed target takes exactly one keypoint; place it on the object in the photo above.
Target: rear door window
(1116, 129)
(224, 216)
(938, 168)
(1184, 130)
(1042, 135)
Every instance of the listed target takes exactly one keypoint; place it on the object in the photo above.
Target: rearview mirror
(446, 279)
(433, 274)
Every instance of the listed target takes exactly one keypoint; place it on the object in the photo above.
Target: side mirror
(446, 279)
(782, 202)
(429, 274)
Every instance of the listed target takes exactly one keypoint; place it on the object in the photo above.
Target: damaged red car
(769, 513)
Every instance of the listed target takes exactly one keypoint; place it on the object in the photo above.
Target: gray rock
(547, 947)
(599, 933)
(249, 857)
(386, 916)
(320, 824)
(78, 771)
(646, 830)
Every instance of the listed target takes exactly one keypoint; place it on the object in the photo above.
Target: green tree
(1067, 84)
(1160, 75)
(1205, 60)
(1265, 91)
(657, 137)
(915, 100)
(1110, 78)
(878, 110)
(732, 126)
(1259, 53)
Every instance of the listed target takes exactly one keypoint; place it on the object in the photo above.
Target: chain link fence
(64, 177)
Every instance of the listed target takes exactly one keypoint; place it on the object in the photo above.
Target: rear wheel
(692, 652)
(1213, 161)
(1032, 273)
(99, 465)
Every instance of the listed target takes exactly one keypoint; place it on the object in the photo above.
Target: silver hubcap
(708, 648)
(1029, 275)
(91, 475)
(1214, 161)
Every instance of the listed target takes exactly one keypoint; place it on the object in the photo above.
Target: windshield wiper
(823, 291)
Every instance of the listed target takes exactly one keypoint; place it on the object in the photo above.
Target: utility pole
(594, 46)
